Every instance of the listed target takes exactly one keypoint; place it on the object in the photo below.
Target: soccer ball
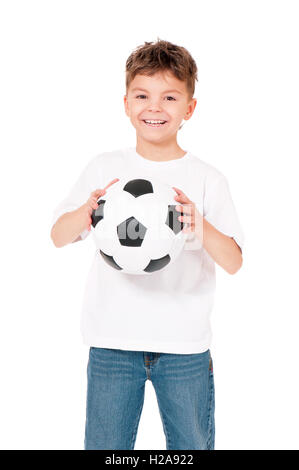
(136, 227)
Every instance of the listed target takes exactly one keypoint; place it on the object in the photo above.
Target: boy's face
(149, 98)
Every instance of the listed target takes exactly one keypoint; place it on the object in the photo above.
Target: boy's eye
(172, 98)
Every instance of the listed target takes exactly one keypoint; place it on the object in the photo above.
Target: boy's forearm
(223, 249)
(67, 229)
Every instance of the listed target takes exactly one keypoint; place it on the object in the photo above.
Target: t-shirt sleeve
(220, 211)
(88, 181)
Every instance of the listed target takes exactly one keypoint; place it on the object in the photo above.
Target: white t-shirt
(168, 311)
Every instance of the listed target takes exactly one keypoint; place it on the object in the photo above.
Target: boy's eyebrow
(166, 91)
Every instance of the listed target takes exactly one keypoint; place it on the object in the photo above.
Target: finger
(100, 194)
(183, 199)
(95, 199)
(186, 219)
(93, 204)
(181, 194)
(186, 209)
(112, 182)
(177, 190)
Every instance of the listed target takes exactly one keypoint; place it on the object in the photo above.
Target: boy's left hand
(191, 215)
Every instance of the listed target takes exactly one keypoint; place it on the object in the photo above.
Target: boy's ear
(126, 105)
(191, 108)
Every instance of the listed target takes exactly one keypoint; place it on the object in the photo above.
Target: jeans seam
(136, 426)
(168, 443)
(211, 393)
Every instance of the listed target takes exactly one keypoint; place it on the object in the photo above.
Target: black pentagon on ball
(98, 213)
(156, 264)
(131, 232)
(138, 187)
(110, 260)
(172, 219)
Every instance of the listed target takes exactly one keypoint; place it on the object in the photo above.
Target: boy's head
(160, 83)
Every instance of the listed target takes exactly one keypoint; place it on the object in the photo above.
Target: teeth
(154, 122)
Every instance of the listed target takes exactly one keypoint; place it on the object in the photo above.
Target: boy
(154, 327)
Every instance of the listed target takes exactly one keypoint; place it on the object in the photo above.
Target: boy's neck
(159, 152)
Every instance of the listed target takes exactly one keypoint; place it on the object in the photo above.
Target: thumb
(99, 192)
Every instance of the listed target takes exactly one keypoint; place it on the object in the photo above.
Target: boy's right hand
(86, 209)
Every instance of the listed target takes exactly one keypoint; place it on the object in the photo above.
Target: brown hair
(151, 58)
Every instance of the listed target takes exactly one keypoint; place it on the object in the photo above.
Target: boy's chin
(152, 139)
(153, 135)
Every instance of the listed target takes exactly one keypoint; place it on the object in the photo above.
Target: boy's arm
(222, 248)
(68, 228)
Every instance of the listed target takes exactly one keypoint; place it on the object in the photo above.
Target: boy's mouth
(154, 122)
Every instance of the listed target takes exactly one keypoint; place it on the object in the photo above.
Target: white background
(62, 87)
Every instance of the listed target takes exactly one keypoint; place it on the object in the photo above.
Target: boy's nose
(154, 106)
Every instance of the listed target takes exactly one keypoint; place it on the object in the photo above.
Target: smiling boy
(154, 328)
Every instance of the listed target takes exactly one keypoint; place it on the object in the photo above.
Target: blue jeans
(184, 386)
